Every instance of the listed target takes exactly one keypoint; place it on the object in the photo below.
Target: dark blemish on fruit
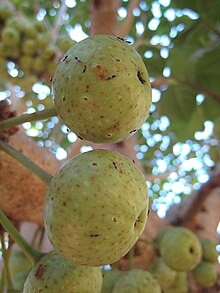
(51, 79)
(121, 39)
(85, 98)
(52, 198)
(64, 58)
(77, 59)
(140, 77)
(94, 235)
(64, 203)
(84, 69)
(115, 166)
(129, 42)
(101, 71)
(118, 60)
(133, 130)
(40, 272)
(68, 130)
(80, 137)
(148, 212)
(94, 164)
(110, 77)
(64, 98)
(133, 161)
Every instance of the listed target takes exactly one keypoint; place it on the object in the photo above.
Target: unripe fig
(209, 252)
(205, 274)
(180, 249)
(54, 274)
(96, 207)
(109, 280)
(136, 281)
(10, 36)
(180, 284)
(29, 47)
(102, 90)
(161, 234)
(164, 274)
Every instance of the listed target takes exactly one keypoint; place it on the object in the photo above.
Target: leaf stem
(29, 250)
(40, 115)
(38, 171)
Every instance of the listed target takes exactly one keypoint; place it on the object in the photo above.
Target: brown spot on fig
(40, 271)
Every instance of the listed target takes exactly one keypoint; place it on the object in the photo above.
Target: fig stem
(40, 115)
(29, 250)
(38, 171)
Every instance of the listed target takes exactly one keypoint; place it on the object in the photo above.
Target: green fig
(136, 281)
(180, 284)
(209, 252)
(180, 249)
(54, 274)
(109, 280)
(96, 207)
(29, 47)
(102, 90)
(10, 36)
(161, 234)
(164, 274)
(205, 274)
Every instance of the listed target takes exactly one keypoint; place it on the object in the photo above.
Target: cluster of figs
(97, 203)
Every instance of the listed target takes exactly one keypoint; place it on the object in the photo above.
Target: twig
(127, 23)
(56, 27)
(204, 91)
(40, 115)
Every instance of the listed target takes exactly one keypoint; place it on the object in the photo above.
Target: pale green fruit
(40, 26)
(65, 44)
(136, 281)
(161, 234)
(10, 36)
(29, 47)
(16, 22)
(180, 284)
(181, 249)
(19, 266)
(5, 13)
(54, 274)
(39, 64)
(164, 274)
(205, 274)
(109, 280)
(42, 40)
(29, 30)
(96, 207)
(102, 90)
(49, 53)
(26, 63)
(209, 252)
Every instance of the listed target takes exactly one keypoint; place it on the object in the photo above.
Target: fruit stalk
(38, 171)
(29, 250)
(40, 115)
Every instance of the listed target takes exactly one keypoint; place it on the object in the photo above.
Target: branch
(127, 23)
(205, 91)
(187, 215)
(103, 16)
(56, 27)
